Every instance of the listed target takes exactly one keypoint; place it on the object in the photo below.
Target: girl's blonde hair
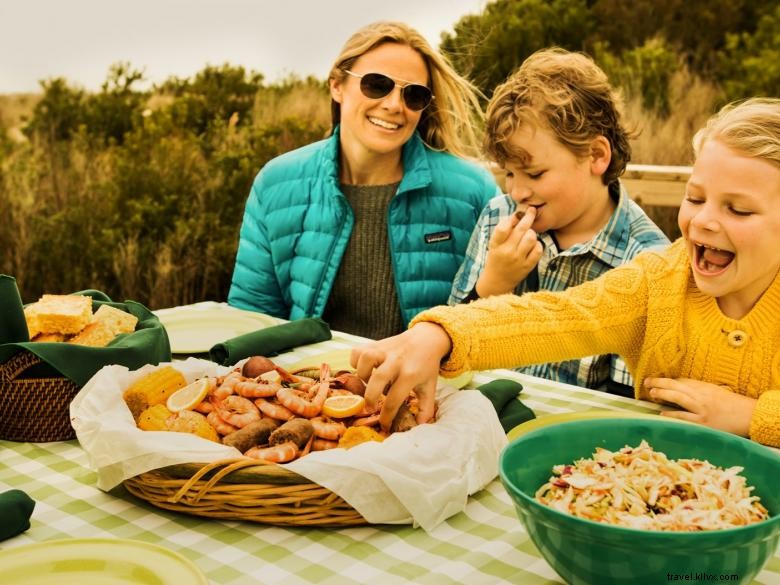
(451, 121)
(751, 126)
(567, 93)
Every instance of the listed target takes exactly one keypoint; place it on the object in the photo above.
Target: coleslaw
(637, 487)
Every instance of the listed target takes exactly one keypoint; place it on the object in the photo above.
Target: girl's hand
(704, 403)
(397, 365)
(513, 251)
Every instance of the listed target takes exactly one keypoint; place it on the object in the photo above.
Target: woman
(368, 227)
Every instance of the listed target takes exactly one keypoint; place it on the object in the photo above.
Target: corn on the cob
(153, 388)
(189, 421)
(154, 418)
(356, 435)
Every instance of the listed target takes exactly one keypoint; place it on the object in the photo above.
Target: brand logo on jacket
(438, 237)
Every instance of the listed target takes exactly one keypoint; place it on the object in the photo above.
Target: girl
(698, 324)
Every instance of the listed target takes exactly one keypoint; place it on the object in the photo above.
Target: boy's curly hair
(566, 92)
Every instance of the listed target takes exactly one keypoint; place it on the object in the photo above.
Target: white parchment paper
(421, 476)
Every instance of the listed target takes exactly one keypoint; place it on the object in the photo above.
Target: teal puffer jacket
(297, 224)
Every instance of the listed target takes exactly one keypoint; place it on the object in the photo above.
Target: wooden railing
(656, 186)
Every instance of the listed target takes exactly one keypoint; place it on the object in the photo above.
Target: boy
(554, 127)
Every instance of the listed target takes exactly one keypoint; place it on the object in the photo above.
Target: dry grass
(667, 140)
(15, 111)
(302, 103)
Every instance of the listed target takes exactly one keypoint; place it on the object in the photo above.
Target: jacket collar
(417, 169)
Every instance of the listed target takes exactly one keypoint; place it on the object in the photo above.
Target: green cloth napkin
(16, 507)
(13, 327)
(270, 341)
(148, 344)
(503, 394)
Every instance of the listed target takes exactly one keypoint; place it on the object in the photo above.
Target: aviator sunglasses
(376, 86)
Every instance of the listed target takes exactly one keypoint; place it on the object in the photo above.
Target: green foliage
(644, 72)
(750, 63)
(58, 114)
(141, 194)
(488, 47)
(216, 94)
(112, 112)
(639, 43)
(696, 29)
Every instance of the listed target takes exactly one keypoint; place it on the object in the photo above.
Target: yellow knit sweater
(650, 312)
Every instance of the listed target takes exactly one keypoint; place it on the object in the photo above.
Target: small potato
(257, 365)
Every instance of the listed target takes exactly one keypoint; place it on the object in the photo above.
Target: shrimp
(323, 445)
(256, 389)
(366, 417)
(289, 377)
(280, 453)
(366, 421)
(220, 425)
(325, 428)
(296, 401)
(228, 384)
(236, 410)
(274, 409)
(204, 406)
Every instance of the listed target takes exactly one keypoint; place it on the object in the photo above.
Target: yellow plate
(96, 561)
(198, 330)
(553, 419)
(338, 359)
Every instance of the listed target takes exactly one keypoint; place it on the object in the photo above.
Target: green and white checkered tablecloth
(486, 544)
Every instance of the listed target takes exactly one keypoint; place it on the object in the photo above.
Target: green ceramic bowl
(587, 552)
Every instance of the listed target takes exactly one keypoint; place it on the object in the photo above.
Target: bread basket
(244, 489)
(34, 401)
(39, 380)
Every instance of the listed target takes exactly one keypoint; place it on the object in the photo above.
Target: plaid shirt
(628, 232)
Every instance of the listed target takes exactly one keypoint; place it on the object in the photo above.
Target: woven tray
(244, 489)
(34, 408)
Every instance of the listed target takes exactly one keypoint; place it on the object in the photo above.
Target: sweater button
(737, 338)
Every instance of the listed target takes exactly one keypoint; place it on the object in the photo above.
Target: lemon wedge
(343, 406)
(188, 397)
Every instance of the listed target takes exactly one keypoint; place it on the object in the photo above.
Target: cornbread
(96, 334)
(116, 319)
(56, 318)
(67, 314)
(49, 338)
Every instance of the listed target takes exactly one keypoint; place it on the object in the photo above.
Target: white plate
(97, 561)
(198, 330)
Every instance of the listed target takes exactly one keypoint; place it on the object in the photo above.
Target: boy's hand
(704, 403)
(513, 251)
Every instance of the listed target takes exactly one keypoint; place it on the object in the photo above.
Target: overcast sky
(80, 39)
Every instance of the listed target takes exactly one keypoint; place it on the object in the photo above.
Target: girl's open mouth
(711, 261)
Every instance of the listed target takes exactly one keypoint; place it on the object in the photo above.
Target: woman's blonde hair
(751, 126)
(567, 93)
(451, 121)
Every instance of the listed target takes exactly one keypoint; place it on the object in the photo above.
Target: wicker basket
(34, 401)
(244, 489)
